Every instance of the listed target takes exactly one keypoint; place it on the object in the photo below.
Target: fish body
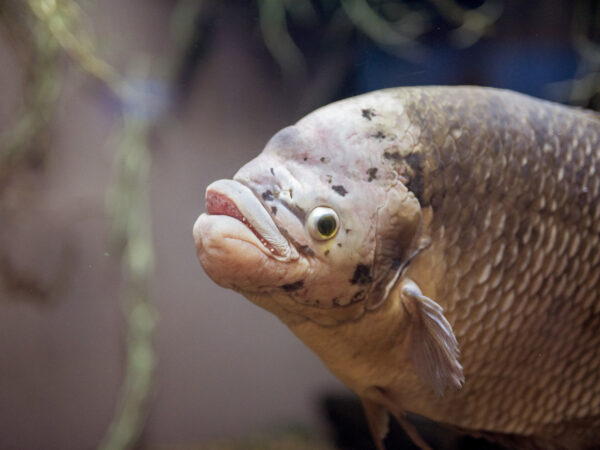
(438, 249)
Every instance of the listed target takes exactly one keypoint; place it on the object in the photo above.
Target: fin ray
(378, 420)
(433, 347)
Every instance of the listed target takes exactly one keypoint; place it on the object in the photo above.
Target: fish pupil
(327, 225)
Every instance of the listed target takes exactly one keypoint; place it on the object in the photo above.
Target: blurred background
(115, 115)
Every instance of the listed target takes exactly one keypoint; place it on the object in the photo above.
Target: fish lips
(237, 232)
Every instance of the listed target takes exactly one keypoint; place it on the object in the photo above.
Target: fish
(438, 249)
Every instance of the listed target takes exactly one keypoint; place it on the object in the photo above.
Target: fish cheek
(398, 223)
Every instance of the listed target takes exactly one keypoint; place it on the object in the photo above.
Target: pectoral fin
(433, 346)
(378, 420)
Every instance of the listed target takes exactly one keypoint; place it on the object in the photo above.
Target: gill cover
(398, 225)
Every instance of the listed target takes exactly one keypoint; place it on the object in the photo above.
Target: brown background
(225, 367)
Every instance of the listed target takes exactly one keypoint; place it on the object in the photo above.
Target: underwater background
(115, 115)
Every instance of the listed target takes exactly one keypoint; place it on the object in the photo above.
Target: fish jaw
(237, 241)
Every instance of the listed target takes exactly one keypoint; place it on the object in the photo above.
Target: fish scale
(468, 288)
(563, 235)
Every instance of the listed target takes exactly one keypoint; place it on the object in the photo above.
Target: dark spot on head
(267, 195)
(339, 245)
(378, 135)
(272, 171)
(326, 252)
(411, 167)
(339, 189)
(295, 210)
(304, 158)
(368, 113)
(305, 249)
(362, 275)
(348, 230)
(393, 156)
(329, 178)
(274, 210)
(414, 160)
(317, 302)
(372, 172)
(324, 159)
(416, 182)
(293, 286)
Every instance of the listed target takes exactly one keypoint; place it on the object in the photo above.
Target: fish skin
(488, 202)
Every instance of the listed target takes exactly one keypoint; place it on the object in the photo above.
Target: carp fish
(438, 249)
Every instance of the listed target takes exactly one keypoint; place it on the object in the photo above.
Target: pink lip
(219, 204)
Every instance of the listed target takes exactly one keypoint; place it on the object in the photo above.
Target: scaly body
(488, 202)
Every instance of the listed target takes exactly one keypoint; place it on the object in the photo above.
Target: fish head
(321, 222)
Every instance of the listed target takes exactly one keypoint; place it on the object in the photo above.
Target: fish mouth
(233, 199)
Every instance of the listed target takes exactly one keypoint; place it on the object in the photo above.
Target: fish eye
(323, 223)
